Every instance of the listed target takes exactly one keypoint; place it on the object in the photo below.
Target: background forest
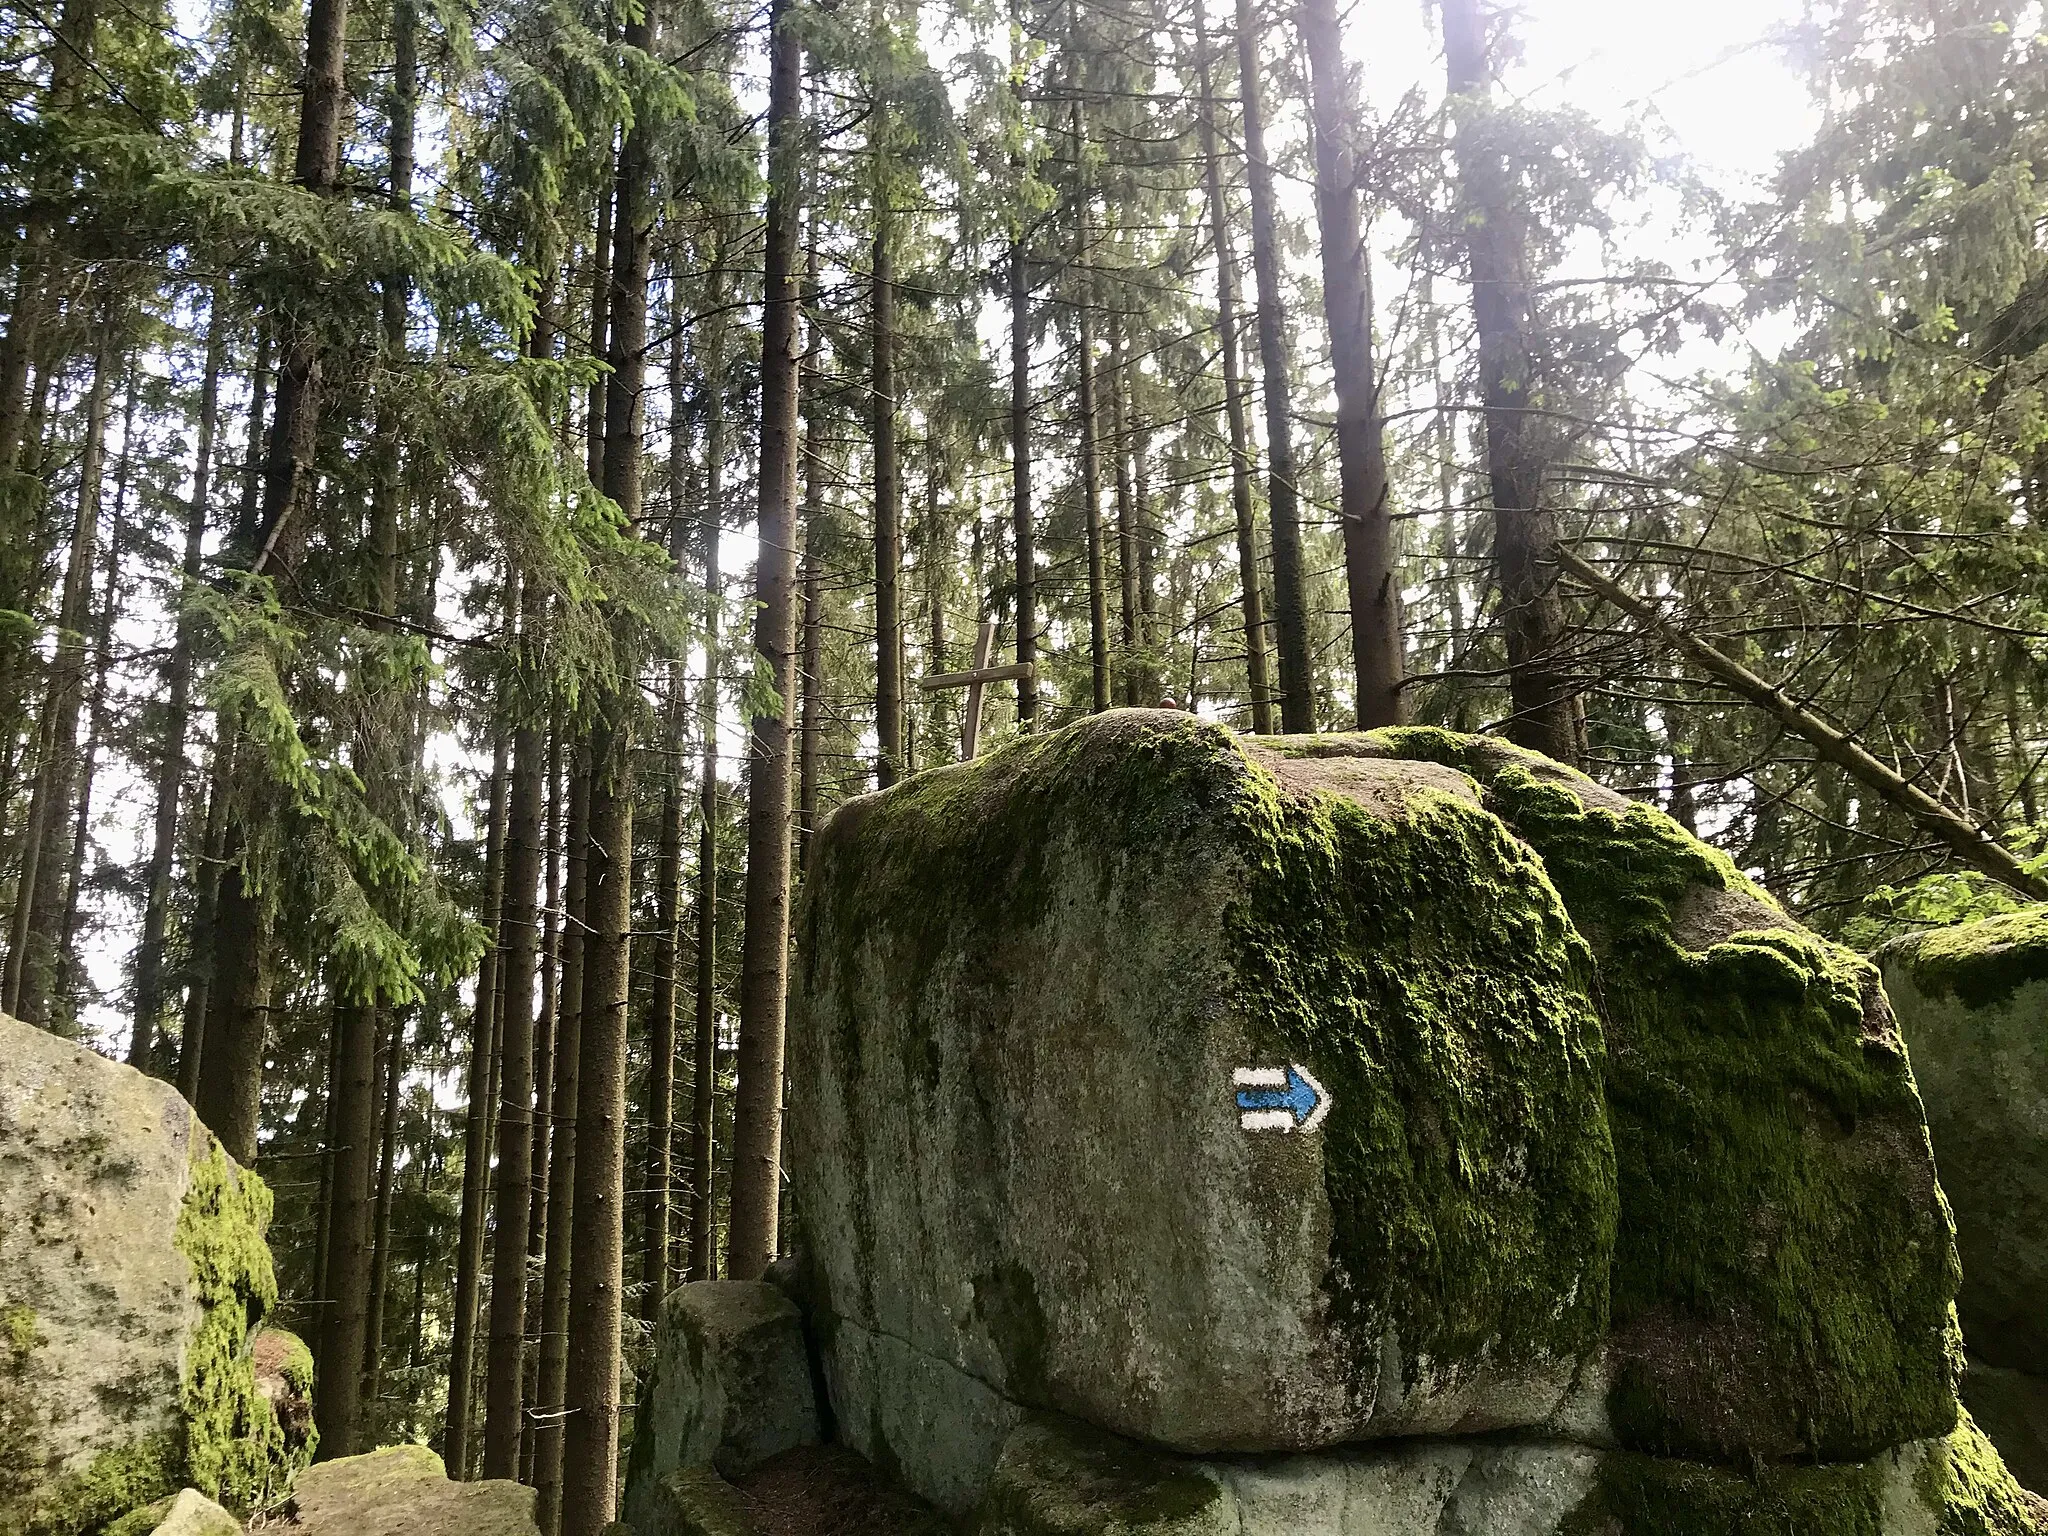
(480, 479)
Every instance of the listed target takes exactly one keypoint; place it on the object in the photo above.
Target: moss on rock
(1784, 1267)
(1062, 1478)
(1397, 941)
(1979, 964)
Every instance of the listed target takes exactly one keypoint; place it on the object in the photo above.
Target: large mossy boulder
(1255, 1095)
(1972, 1001)
(1028, 988)
(1784, 1266)
(133, 1274)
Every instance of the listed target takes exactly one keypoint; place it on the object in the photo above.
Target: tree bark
(170, 775)
(889, 766)
(1544, 714)
(1128, 611)
(39, 886)
(554, 1307)
(703, 1255)
(757, 1131)
(483, 1037)
(1258, 670)
(1369, 563)
(380, 1256)
(1290, 587)
(519, 940)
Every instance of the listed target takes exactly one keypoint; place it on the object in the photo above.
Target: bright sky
(1705, 82)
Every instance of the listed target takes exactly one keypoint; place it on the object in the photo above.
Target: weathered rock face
(132, 1271)
(729, 1386)
(1058, 1478)
(1028, 990)
(403, 1490)
(1783, 1265)
(1973, 1003)
(1252, 1096)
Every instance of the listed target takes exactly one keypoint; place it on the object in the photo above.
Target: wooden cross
(974, 681)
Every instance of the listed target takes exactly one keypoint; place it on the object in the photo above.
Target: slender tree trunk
(596, 1267)
(1128, 610)
(813, 665)
(66, 998)
(889, 765)
(661, 1022)
(1542, 696)
(519, 938)
(483, 1034)
(1091, 489)
(1258, 672)
(205, 912)
(170, 776)
(1290, 586)
(1023, 539)
(544, 1094)
(554, 1308)
(39, 895)
(757, 1129)
(1369, 562)
(380, 1255)
(704, 1047)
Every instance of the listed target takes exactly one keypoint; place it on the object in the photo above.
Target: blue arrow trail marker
(1277, 1099)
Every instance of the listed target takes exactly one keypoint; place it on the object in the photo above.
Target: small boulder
(133, 1269)
(729, 1386)
(190, 1513)
(1057, 1477)
(403, 1490)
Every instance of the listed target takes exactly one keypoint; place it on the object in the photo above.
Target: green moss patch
(1980, 964)
(1420, 964)
(1058, 1477)
(1784, 1267)
(236, 1448)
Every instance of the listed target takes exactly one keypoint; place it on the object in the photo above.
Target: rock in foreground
(403, 1490)
(133, 1270)
(1139, 1078)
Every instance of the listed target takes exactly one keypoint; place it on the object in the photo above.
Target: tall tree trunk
(596, 1265)
(39, 893)
(170, 774)
(345, 1336)
(1369, 564)
(889, 765)
(544, 1068)
(1258, 671)
(1544, 714)
(483, 1035)
(704, 1047)
(554, 1306)
(65, 1004)
(764, 984)
(380, 1255)
(205, 913)
(519, 938)
(1023, 540)
(1128, 610)
(813, 664)
(1290, 584)
(1091, 492)
(659, 1114)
